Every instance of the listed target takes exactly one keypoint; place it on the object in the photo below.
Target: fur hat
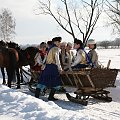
(56, 39)
(77, 41)
(91, 41)
(49, 42)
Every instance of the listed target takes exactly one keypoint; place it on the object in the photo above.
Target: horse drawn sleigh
(87, 82)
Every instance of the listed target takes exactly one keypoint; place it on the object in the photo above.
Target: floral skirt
(50, 76)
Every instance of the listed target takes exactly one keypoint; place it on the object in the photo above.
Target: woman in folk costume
(62, 53)
(93, 56)
(80, 60)
(50, 76)
(40, 57)
(68, 57)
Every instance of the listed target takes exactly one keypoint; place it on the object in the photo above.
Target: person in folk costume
(62, 53)
(80, 60)
(50, 76)
(93, 56)
(40, 58)
(67, 57)
(49, 43)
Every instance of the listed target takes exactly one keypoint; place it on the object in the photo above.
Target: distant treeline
(109, 44)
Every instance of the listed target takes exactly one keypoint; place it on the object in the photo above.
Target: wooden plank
(76, 72)
(75, 77)
(87, 90)
(76, 81)
(108, 65)
(88, 76)
(62, 82)
(79, 80)
(69, 79)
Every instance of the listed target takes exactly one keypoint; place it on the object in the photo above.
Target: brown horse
(9, 59)
(26, 57)
(3, 44)
(18, 49)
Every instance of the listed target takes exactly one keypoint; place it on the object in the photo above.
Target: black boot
(37, 92)
(51, 95)
(62, 89)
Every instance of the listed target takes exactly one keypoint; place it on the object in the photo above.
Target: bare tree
(104, 44)
(75, 17)
(113, 11)
(7, 25)
(117, 42)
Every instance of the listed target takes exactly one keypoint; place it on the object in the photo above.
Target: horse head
(28, 55)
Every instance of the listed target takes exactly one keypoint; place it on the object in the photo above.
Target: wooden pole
(108, 65)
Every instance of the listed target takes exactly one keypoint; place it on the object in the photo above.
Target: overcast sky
(33, 29)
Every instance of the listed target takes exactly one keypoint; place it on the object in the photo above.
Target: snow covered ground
(22, 105)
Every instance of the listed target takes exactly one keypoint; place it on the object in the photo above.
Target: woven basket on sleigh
(95, 78)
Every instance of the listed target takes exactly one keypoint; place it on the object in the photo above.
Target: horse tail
(13, 60)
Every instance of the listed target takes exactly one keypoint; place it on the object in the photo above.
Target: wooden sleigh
(88, 83)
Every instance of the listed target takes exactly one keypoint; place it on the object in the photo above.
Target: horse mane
(2, 43)
(13, 45)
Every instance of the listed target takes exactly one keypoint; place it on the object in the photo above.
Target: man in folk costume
(50, 76)
(49, 43)
(80, 60)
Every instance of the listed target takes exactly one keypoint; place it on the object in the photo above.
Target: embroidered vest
(83, 60)
(51, 56)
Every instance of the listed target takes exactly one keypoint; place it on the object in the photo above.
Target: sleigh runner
(88, 83)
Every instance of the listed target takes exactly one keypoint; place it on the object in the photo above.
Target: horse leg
(9, 77)
(3, 74)
(18, 78)
(11, 68)
(21, 74)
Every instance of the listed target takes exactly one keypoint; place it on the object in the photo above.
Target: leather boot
(37, 92)
(51, 95)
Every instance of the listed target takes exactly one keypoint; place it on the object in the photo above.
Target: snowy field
(22, 105)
